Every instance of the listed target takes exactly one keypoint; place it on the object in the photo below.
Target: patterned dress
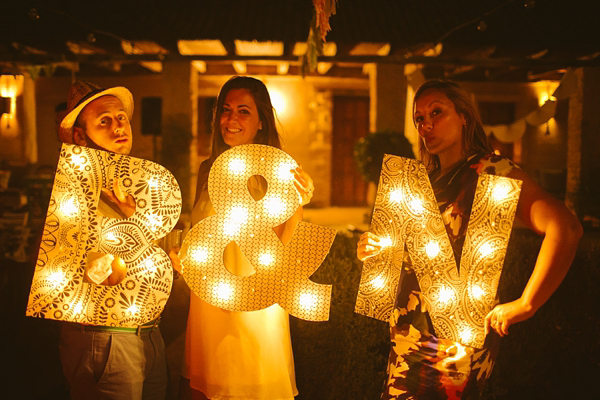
(422, 366)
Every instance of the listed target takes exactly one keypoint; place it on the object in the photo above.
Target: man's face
(105, 125)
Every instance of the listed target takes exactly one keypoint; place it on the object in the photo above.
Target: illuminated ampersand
(74, 230)
(281, 273)
(406, 214)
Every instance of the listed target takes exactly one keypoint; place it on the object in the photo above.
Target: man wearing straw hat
(98, 361)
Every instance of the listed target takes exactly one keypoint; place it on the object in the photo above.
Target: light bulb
(378, 282)
(396, 196)
(133, 309)
(417, 205)
(153, 183)
(477, 292)
(69, 207)
(385, 241)
(465, 335)
(223, 291)
(500, 191)
(78, 159)
(274, 207)
(432, 249)
(237, 166)
(486, 249)
(266, 259)
(308, 301)
(149, 264)
(153, 221)
(56, 278)
(78, 308)
(284, 172)
(200, 255)
(445, 295)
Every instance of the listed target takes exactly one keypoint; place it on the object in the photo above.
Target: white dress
(237, 355)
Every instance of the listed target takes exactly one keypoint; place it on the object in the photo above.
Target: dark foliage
(369, 152)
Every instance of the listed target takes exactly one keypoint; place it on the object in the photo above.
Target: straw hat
(80, 95)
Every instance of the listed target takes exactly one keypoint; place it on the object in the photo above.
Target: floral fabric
(422, 366)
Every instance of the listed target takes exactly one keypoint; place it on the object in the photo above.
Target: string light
(150, 266)
(154, 221)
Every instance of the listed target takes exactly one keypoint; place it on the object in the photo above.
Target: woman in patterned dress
(455, 150)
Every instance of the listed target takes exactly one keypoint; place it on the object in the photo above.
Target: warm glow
(445, 295)
(56, 278)
(385, 242)
(486, 249)
(284, 172)
(544, 97)
(274, 206)
(396, 196)
(223, 291)
(278, 101)
(417, 205)
(266, 259)
(378, 282)
(500, 191)
(237, 166)
(199, 255)
(477, 291)
(69, 207)
(308, 301)
(432, 249)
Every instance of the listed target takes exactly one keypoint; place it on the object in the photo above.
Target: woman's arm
(305, 187)
(545, 215)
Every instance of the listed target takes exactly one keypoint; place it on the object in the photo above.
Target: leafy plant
(369, 152)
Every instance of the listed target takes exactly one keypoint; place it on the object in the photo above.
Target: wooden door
(350, 122)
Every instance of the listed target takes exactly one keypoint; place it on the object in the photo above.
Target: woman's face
(239, 119)
(439, 125)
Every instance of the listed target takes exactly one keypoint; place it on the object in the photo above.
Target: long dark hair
(266, 135)
(474, 139)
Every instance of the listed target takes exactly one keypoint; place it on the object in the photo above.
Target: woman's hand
(504, 315)
(304, 185)
(368, 246)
